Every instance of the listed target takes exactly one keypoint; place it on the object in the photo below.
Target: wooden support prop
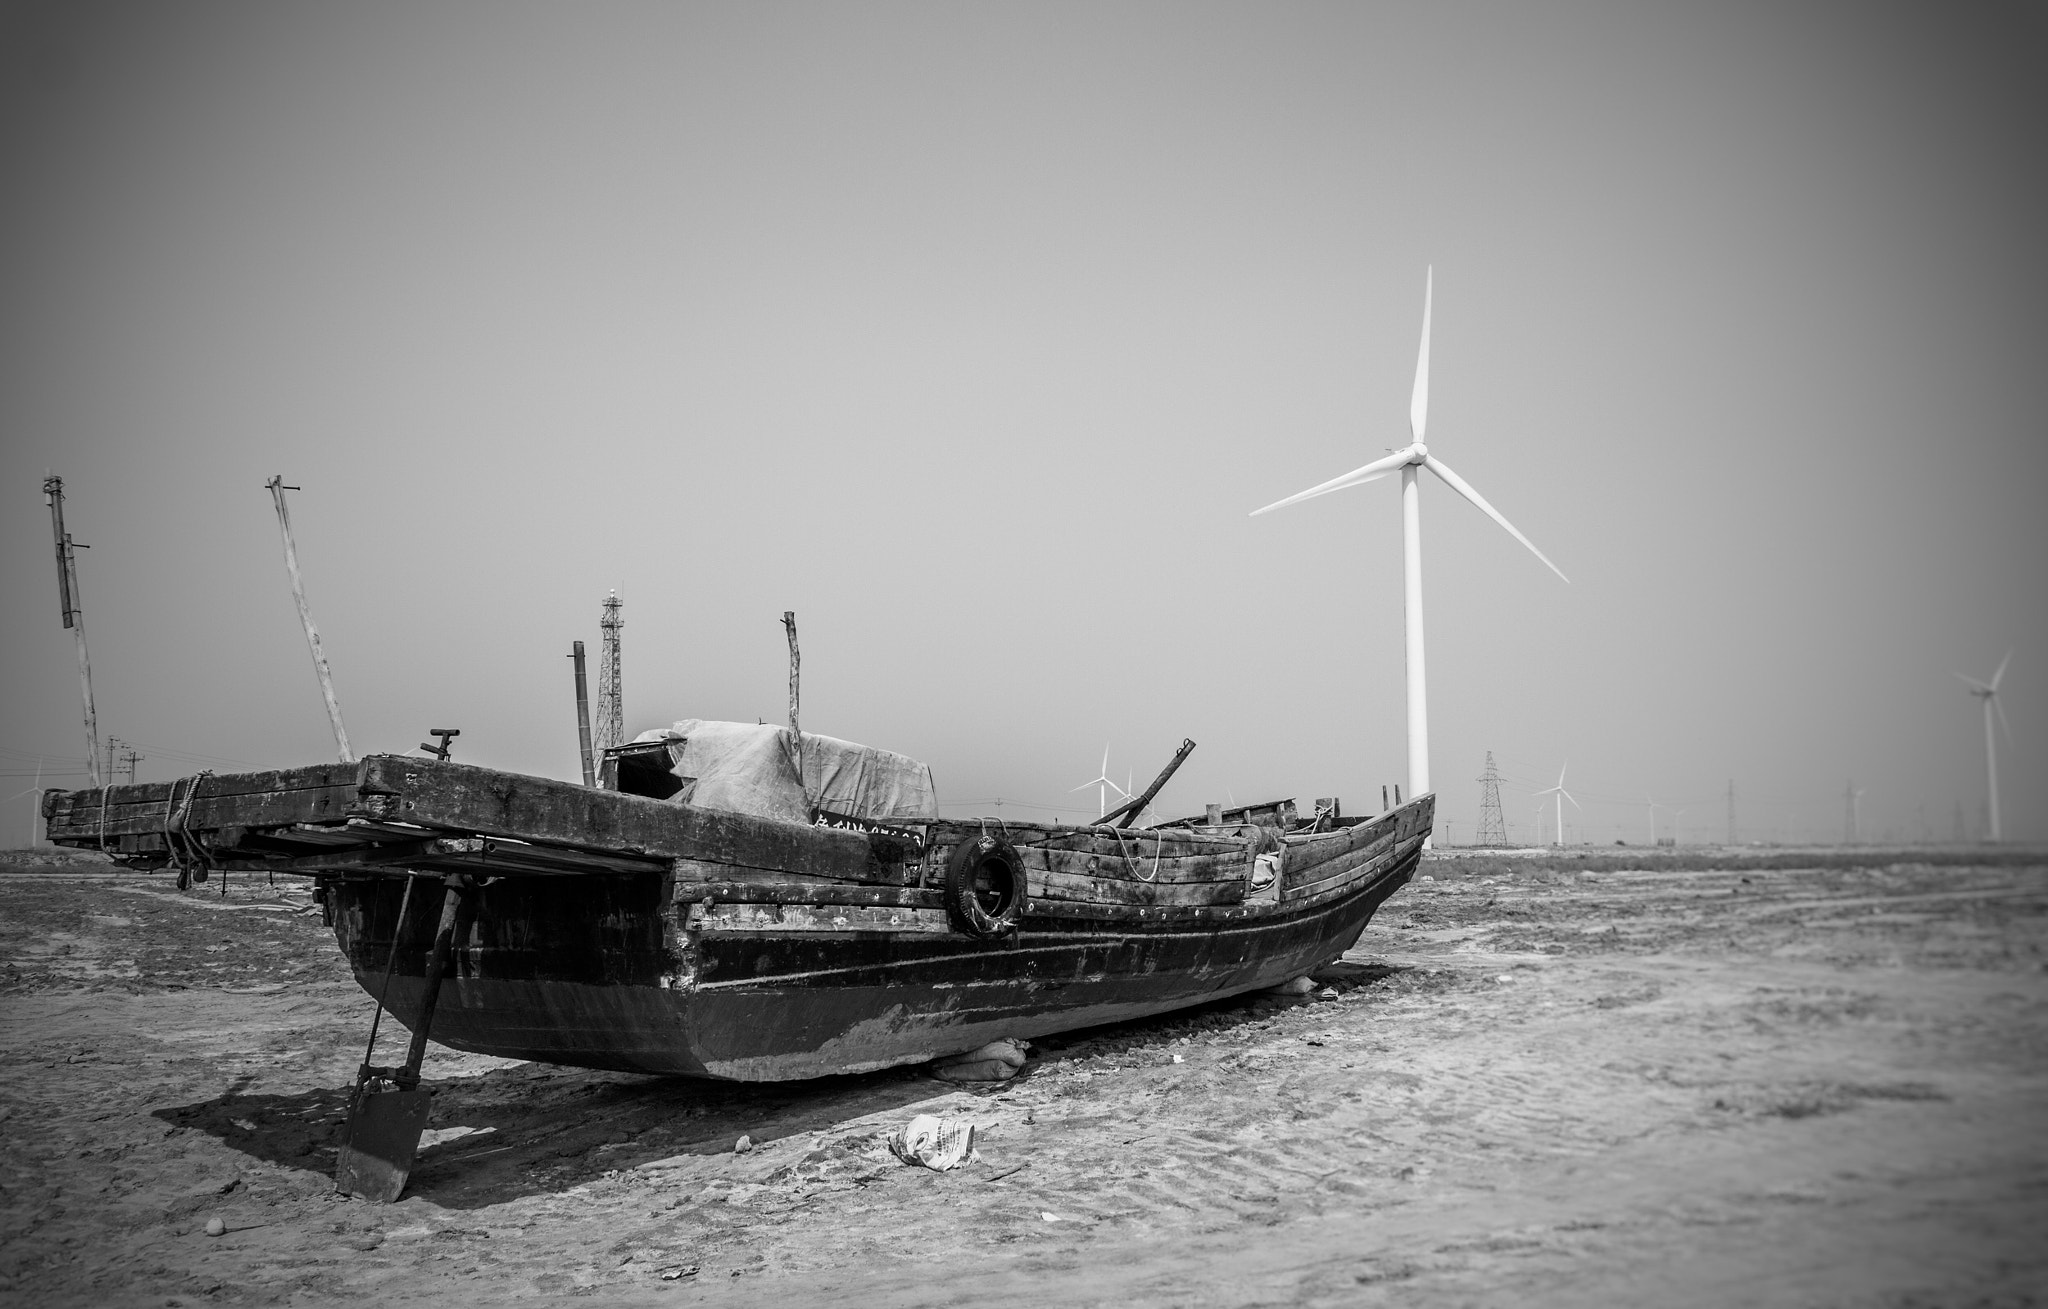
(382, 1136)
(1127, 812)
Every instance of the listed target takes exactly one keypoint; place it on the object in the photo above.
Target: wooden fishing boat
(640, 926)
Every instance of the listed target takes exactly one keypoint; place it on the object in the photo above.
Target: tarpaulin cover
(749, 768)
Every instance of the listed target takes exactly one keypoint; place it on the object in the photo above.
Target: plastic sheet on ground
(936, 1143)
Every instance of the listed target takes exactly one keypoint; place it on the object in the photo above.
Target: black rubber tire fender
(970, 860)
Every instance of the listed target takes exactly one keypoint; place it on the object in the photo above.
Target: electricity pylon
(611, 714)
(1493, 828)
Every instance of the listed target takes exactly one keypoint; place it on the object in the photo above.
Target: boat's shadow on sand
(533, 1129)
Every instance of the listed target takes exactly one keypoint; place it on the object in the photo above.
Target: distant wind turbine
(1988, 693)
(1560, 796)
(1103, 785)
(1410, 461)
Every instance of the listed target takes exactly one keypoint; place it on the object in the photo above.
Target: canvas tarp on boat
(750, 768)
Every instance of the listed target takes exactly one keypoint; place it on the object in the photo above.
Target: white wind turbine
(1988, 693)
(1410, 461)
(1103, 785)
(1561, 795)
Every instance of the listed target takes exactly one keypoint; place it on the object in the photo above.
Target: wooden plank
(690, 872)
(267, 799)
(951, 831)
(1062, 886)
(1195, 870)
(757, 892)
(1172, 844)
(1305, 853)
(460, 797)
(250, 783)
(1332, 871)
(822, 918)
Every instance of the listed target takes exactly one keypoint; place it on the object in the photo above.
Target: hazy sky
(972, 333)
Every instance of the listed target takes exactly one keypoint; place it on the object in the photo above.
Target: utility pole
(131, 759)
(113, 743)
(1493, 828)
(611, 713)
(35, 805)
(74, 618)
(291, 563)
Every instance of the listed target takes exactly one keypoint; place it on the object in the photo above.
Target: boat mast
(583, 716)
(291, 563)
(74, 618)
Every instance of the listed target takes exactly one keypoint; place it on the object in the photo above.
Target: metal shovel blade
(381, 1140)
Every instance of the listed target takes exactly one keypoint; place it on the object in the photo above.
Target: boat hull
(596, 982)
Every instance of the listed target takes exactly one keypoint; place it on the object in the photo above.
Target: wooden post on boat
(583, 717)
(1127, 813)
(291, 563)
(67, 587)
(796, 735)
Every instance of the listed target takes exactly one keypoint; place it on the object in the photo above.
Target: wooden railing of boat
(389, 815)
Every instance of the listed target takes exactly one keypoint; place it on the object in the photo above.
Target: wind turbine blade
(2000, 674)
(1418, 403)
(2000, 706)
(1974, 683)
(1372, 472)
(1568, 796)
(1105, 759)
(1464, 488)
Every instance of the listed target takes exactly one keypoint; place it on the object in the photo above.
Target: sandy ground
(1786, 1087)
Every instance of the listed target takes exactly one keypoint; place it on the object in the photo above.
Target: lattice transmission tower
(1493, 829)
(611, 712)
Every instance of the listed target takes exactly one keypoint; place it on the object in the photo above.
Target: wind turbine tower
(1988, 693)
(1560, 795)
(1410, 461)
(1103, 786)
(611, 712)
